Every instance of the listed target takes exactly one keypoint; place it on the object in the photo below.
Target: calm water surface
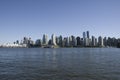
(60, 64)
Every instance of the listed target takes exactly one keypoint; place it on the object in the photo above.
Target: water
(60, 64)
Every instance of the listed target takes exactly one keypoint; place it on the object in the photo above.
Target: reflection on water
(60, 64)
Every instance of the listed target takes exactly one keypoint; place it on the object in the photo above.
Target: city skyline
(32, 18)
(69, 41)
(46, 37)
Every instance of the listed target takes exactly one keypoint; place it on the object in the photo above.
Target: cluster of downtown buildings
(71, 41)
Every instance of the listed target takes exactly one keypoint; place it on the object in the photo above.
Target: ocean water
(59, 64)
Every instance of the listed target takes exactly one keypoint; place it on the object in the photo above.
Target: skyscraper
(96, 43)
(38, 42)
(105, 41)
(86, 42)
(100, 41)
(74, 41)
(88, 35)
(86, 39)
(45, 39)
(93, 41)
(57, 40)
(53, 38)
(25, 40)
(60, 40)
(84, 35)
(66, 41)
(78, 41)
(70, 41)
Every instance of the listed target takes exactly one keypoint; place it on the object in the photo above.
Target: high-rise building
(70, 41)
(86, 39)
(45, 40)
(53, 39)
(82, 42)
(78, 41)
(105, 41)
(25, 40)
(96, 43)
(109, 40)
(88, 35)
(57, 40)
(50, 42)
(30, 41)
(93, 41)
(90, 42)
(86, 42)
(66, 41)
(38, 42)
(84, 35)
(114, 42)
(60, 40)
(74, 41)
(100, 41)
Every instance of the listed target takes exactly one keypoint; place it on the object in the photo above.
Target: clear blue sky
(33, 18)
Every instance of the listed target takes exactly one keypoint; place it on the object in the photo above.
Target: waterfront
(59, 64)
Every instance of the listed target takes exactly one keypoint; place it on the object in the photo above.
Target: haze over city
(33, 18)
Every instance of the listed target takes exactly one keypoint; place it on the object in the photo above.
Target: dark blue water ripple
(59, 64)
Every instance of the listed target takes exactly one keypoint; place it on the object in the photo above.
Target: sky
(33, 18)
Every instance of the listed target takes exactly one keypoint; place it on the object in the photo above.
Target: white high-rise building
(70, 41)
(53, 39)
(86, 41)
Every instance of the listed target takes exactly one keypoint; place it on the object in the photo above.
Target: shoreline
(58, 47)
